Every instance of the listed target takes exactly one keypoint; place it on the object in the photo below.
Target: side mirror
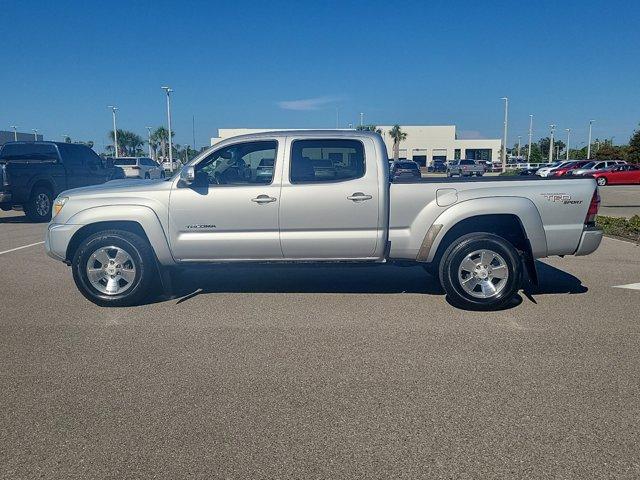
(187, 176)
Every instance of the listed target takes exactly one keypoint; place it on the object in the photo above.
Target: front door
(329, 200)
(230, 212)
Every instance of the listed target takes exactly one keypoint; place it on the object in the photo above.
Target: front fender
(140, 214)
(523, 208)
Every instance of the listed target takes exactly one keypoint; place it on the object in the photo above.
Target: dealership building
(424, 143)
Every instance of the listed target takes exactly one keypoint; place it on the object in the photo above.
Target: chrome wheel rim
(42, 204)
(483, 274)
(111, 270)
(601, 181)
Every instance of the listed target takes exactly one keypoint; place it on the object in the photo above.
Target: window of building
(456, 154)
(321, 161)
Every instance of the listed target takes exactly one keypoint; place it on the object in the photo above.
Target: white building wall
(421, 140)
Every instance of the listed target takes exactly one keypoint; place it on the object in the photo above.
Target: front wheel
(114, 268)
(481, 271)
(601, 181)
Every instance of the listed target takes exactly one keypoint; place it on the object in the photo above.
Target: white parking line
(20, 248)
(630, 286)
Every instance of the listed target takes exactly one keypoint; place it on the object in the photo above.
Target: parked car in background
(465, 168)
(33, 173)
(567, 167)
(438, 166)
(139, 167)
(264, 171)
(480, 236)
(405, 169)
(546, 171)
(594, 166)
(617, 175)
(166, 165)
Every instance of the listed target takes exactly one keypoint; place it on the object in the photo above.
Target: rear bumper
(590, 241)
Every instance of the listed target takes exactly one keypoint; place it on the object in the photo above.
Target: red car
(559, 172)
(617, 175)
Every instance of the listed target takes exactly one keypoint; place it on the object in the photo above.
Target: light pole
(530, 137)
(361, 119)
(168, 91)
(15, 133)
(149, 142)
(35, 134)
(568, 137)
(115, 131)
(504, 140)
(589, 144)
(350, 125)
(519, 139)
(553, 128)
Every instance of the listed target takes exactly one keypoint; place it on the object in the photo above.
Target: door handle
(359, 197)
(263, 199)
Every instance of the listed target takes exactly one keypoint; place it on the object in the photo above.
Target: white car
(139, 167)
(546, 171)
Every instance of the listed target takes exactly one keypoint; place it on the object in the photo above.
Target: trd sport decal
(563, 198)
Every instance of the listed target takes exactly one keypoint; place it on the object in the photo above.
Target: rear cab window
(326, 161)
(28, 152)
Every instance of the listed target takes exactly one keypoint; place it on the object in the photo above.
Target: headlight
(58, 204)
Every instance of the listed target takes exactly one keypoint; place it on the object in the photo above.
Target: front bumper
(57, 239)
(590, 241)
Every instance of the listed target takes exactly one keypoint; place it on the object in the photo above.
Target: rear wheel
(481, 271)
(114, 268)
(602, 181)
(38, 209)
(147, 176)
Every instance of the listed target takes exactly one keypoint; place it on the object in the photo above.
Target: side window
(73, 162)
(322, 161)
(240, 164)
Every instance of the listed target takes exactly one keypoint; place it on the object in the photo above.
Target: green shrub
(620, 227)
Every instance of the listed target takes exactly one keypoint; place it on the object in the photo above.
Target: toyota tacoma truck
(465, 168)
(478, 236)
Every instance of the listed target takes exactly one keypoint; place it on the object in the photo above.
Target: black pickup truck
(33, 173)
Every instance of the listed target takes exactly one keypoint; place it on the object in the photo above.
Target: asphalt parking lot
(319, 372)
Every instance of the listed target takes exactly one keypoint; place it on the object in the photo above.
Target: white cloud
(316, 103)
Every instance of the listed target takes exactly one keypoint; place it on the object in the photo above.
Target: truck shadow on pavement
(15, 219)
(383, 279)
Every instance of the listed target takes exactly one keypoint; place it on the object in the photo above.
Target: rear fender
(522, 208)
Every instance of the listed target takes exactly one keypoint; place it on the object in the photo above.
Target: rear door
(329, 215)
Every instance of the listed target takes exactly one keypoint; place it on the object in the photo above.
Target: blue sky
(291, 64)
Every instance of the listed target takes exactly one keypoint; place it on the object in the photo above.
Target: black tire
(162, 174)
(601, 181)
(142, 258)
(467, 245)
(38, 209)
(147, 176)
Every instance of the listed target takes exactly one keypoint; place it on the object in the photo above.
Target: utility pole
(519, 139)
(504, 139)
(553, 128)
(115, 130)
(589, 144)
(149, 142)
(168, 91)
(193, 130)
(568, 137)
(15, 133)
(361, 119)
(530, 137)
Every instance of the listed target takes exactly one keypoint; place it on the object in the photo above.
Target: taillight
(593, 208)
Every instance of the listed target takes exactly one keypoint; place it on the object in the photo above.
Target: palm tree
(398, 135)
(129, 143)
(160, 137)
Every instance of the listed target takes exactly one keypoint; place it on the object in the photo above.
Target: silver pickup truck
(464, 168)
(318, 196)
